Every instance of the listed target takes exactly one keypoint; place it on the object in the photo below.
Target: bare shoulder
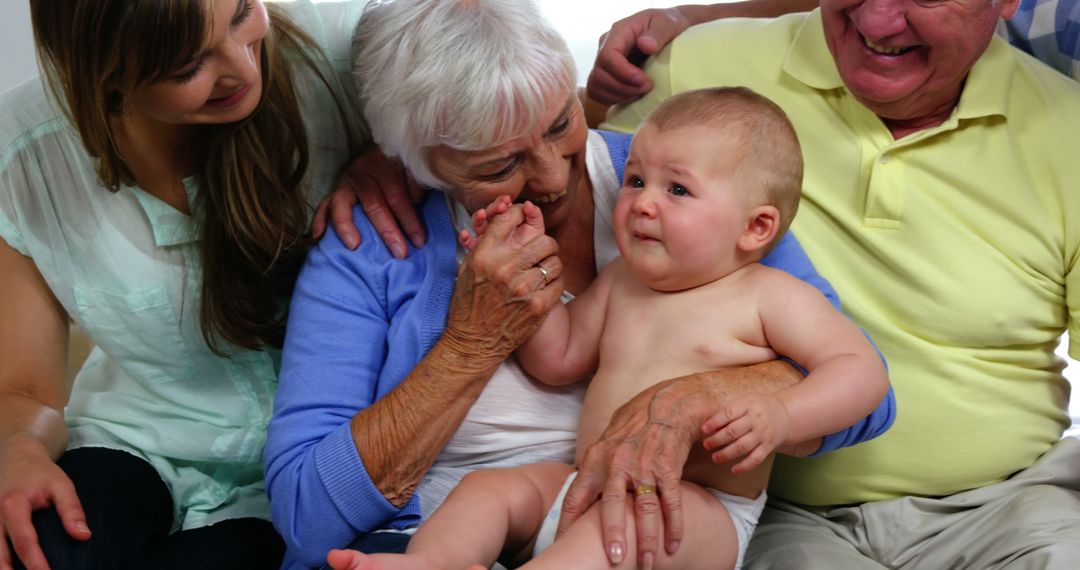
(771, 280)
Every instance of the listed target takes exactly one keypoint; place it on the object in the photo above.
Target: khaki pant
(1030, 521)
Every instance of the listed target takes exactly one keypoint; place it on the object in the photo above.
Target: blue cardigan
(359, 323)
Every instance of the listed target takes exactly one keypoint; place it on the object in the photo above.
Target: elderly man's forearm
(700, 13)
(400, 435)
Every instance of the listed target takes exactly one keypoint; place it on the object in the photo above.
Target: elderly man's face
(545, 166)
(906, 60)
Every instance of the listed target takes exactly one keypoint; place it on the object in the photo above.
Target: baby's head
(712, 182)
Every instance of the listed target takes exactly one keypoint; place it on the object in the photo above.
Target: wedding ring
(644, 489)
(543, 272)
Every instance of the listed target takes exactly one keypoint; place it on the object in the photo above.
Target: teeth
(549, 198)
(885, 50)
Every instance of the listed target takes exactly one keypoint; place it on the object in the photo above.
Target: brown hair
(251, 207)
(770, 160)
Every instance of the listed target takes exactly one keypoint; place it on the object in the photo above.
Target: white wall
(16, 43)
(582, 22)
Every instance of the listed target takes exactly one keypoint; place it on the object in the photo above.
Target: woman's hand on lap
(30, 481)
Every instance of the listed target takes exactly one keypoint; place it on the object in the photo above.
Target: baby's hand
(532, 227)
(752, 427)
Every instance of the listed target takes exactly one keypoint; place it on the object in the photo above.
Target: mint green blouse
(126, 268)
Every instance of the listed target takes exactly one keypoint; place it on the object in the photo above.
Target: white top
(126, 268)
(517, 420)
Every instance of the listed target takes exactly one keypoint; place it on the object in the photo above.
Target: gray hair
(467, 74)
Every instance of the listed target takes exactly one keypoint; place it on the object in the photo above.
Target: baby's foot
(353, 560)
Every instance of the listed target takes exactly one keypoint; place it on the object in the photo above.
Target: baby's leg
(709, 541)
(491, 514)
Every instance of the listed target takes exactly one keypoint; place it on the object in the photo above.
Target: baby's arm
(846, 378)
(566, 347)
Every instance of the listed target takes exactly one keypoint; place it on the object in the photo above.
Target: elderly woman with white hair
(397, 377)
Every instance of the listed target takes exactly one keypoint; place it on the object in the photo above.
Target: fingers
(580, 496)
(663, 27)
(613, 517)
(752, 461)
(20, 529)
(671, 505)
(467, 240)
(614, 79)
(647, 512)
(318, 222)
(70, 510)
(387, 194)
(381, 217)
(534, 218)
(401, 203)
(341, 216)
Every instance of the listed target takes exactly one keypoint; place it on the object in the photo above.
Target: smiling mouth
(229, 100)
(886, 50)
(548, 198)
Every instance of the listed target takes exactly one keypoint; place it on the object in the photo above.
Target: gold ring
(543, 272)
(644, 489)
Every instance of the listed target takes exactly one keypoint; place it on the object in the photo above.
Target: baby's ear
(761, 228)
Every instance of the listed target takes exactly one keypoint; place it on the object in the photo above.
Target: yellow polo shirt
(956, 248)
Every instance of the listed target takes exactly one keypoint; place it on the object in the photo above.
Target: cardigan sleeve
(321, 495)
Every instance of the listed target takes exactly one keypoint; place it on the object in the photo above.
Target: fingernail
(672, 546)
(647, 560)
(81, 525)
(351, 242)
(398, 250)
(418, 240)
(615, 553)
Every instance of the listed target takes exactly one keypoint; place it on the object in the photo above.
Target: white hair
(467, 74)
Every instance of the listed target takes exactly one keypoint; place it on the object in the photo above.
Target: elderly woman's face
(544, 166)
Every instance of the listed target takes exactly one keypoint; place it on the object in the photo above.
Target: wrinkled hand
(29, 481)
(501, 296)
(385, 191)
(616, 76)
(531, 227)
(647, 442)
(752, 427)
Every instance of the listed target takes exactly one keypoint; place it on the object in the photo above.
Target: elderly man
(940, 200)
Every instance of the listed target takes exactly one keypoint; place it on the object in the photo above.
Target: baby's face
(679, 216)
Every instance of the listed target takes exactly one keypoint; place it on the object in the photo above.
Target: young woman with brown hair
(160, 199)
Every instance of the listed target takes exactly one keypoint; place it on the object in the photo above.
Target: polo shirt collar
(986, 92)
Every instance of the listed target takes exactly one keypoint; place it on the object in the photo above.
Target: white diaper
(744, 513)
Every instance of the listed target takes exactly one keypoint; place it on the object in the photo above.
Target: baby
(712, 181)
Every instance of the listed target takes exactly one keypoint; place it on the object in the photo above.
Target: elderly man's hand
(504, 289)
(387, 194)
(616, 76)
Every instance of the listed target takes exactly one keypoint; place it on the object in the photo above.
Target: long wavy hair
(251, 208)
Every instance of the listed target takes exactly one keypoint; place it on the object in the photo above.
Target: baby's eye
(679, 190)
(635, 182)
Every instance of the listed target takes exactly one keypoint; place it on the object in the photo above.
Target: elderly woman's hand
(643, 448)
(504, 289)
(647, 443)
